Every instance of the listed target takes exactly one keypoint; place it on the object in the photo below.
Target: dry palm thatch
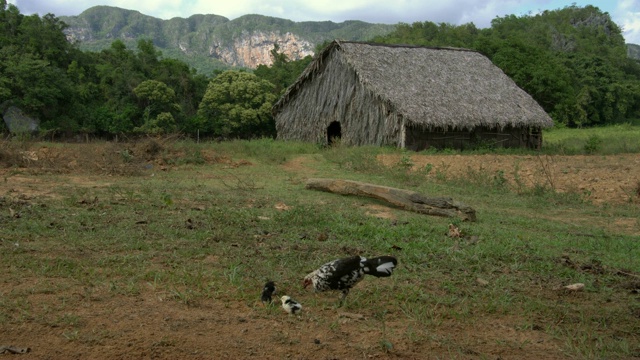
(377, 91)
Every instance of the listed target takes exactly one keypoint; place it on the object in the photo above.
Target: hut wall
(336, 94)
(370, 120)
(419, 138)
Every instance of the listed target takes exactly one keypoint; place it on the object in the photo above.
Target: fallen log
(404, 199)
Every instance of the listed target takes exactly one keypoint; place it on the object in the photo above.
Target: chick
(268, 290)
(289, 305)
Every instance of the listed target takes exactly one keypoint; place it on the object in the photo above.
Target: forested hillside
(209, 42)
(573, 61)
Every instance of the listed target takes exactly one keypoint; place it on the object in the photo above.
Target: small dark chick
(268, 290)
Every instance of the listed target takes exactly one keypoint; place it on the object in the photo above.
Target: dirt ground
(612, 179)
(146, 327)
(149, 326)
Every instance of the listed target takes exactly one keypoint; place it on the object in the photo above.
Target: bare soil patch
(611, 179)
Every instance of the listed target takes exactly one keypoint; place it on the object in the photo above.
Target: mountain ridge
(207, 41)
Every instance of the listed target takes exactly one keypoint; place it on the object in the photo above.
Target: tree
(539, 73)
(34, 54)
(238, 104)
(33, 84)
(156, 96)
(189, 88)
(10, 19)
(158, 102)
(147, 56)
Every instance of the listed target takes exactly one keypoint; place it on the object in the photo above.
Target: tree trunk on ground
(405, 199)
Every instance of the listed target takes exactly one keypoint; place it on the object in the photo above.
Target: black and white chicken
(343, 274)
(289, 305)
(268, 290)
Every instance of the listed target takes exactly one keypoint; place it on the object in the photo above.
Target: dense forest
(573, 61)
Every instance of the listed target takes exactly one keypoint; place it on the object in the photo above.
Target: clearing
(151, 324)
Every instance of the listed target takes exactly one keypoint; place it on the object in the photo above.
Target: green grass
(615, 139)
(211, 232)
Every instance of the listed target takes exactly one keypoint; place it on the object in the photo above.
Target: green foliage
(159, 102)
(117, 90)
(156, 94)
(163, 123)
(430, 34)
(593, 144)
(238, 104)
(545, 77)
(283, 72)
(34, 54)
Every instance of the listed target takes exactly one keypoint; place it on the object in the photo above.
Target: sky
(625, 13)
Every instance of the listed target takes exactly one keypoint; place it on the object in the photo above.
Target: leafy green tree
(10, 19)
(431, 34)
(539, 73)
(33, 55)
(117, 73)
(238, 104)
(164, 123)
(147, 57)
(189, 88)
(33, 84)
(156, 96)
(158, 101)
(45, 37)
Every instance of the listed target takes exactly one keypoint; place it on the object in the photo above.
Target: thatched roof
(432, 87)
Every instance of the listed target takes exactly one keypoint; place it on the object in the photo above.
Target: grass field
(623, 138)
(97, 240)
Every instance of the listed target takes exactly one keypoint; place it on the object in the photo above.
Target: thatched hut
(407, 96)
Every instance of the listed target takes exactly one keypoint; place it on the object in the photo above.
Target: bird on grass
(289, 305)
(268, 290)
(343, 274)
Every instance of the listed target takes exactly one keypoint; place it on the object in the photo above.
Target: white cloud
(628, 14)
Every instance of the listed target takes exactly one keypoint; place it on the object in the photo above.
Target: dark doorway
(334, 132)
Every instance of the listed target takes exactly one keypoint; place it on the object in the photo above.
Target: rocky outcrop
(79, 34)
(633, 51)
(251, 50)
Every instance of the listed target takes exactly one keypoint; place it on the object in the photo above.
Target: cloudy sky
(625, 13)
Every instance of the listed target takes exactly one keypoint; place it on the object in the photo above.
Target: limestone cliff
(253, 49)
